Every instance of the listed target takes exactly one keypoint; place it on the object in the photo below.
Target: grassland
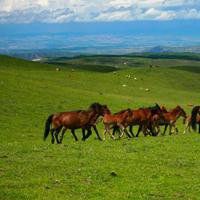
(146, 168)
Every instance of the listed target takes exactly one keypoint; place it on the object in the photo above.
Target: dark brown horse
(73, 120)
(118, 119)
(195, 113)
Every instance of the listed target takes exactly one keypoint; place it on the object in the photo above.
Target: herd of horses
(148, 119)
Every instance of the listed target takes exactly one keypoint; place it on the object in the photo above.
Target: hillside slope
(147, 168)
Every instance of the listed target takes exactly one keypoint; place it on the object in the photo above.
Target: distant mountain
(36, 41)
(159, 49)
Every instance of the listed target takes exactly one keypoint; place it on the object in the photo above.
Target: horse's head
(105, 110)
(96, 107)
(182, 113)
(163, 109)
(156, 110)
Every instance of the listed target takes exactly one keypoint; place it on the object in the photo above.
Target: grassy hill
(147, 168)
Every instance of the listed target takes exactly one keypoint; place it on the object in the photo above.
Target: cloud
(50, 11)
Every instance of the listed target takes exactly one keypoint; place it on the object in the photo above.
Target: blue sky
(62, 11)
(32, 24)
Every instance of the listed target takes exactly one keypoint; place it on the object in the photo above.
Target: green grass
(147, 168)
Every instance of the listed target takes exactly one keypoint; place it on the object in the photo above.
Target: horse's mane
(95, 105)
(153, 108)
(122, 111)
(79, 111)
(196, 109)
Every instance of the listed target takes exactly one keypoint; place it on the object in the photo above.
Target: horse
(189, 122)
(194, 114)
(73, 120)
(117, 119)
(142, 117)
(170, 117)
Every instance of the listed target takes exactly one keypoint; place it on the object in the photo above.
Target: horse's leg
(131, 130)
(189, 127)
(152, 129)
(89, 132)
(56, 134)
(115, 128)
(108, 130)
(199, 127)
(73, 133)
(186, 128)
(123, 129)
(111, 135)
(139, 129)
(176, 129)
(52, 136)
(145, 130)
(170, 129)
(83, 133)
(62, 134)
(166, 125)
(97, 133)
(105, 131)
(158, 129)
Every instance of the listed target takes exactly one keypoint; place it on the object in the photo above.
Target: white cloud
(51, 11)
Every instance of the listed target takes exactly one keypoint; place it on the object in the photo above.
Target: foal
(170, 118)
(118, 119)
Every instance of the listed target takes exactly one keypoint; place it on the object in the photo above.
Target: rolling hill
(144, 168)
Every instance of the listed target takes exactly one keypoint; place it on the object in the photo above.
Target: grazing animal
(118, 119)
(194, 114)
(73, 120)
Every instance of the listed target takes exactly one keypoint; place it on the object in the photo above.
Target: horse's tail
(47, 126)
(195, 110)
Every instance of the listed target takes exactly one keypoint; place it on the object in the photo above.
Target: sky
(63, 11)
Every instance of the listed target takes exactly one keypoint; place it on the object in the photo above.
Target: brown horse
(73, 120)
(188, 123)
(169, 118)
(118, 119)
(142, 118)
(195, 113)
